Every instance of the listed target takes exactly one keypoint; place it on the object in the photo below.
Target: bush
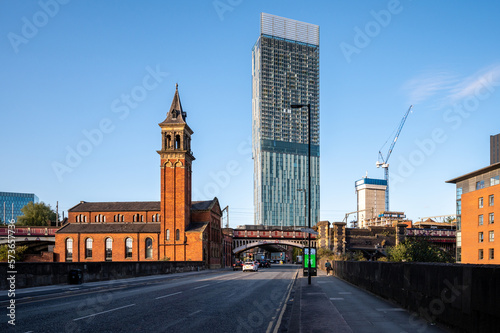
(325, 253)
(419, 250)
(18, 252)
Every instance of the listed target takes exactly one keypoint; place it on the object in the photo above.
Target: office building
(476, 209)
(11, 204)
(285, 71)
(370, 195)
(494, 149)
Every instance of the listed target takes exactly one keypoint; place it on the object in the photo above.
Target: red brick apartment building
(174, 228)
(476, 210)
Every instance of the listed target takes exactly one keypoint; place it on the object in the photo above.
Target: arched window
(134, 217)
(153, 218)
(121, 218)
(167, 234)
(177, 142)
(109, 248)
(88, 248)
(169, 142)
(96, 218)
(149, 248)
(177, 234)
(85, 219)
(128, 247)
(142, 218)
(115, 218)
(103, 218)
(69, 249)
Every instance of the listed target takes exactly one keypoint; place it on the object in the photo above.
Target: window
(492, 218)
(69, 249)
(459, 193)
(480, 255)
(167, 234)
(491, 200)
(109, 249)
(88, 248)
(177, 234)
(481, 237)
(481, 219)
(128, 248)
(494, 180)
(492, 254)
(459, 207)
(492, 236)
(481, 202)
(479, 185)
(149, 248)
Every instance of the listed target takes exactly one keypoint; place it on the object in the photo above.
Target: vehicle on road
(252, 266)
(238, 265)
(266, 263)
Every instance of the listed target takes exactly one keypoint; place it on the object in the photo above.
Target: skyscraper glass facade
(11, 204)
(285, 71)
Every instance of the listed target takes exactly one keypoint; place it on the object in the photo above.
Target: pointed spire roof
(175, 115)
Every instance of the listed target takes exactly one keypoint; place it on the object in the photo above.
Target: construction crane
(383, 162)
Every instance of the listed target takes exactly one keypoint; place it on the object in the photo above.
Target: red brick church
(174, 228)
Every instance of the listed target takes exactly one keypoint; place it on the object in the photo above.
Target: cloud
(427, 85)
(472, 84)
(447, 88)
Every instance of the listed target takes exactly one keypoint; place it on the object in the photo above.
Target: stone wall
(464, 297)
(33, 274)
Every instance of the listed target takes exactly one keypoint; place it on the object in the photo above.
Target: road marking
(336, 299)
(98, 313)
(391, 309)
(206, 285)
(345, 293)
(284, 302)
(193, 313)
(180, 292)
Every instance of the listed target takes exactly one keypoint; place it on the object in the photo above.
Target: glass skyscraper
(285, 71)
(11, 204)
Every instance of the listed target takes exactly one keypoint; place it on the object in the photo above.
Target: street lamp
(298, 106)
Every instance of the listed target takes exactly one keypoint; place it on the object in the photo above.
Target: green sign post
(310, 252)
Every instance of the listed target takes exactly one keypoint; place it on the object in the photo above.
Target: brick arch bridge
(250, 236)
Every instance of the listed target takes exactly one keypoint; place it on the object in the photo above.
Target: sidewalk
(312, 311)
(330, 304)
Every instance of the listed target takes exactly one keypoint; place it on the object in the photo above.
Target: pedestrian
(328, 267)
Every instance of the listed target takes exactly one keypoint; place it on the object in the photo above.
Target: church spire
(175, 115)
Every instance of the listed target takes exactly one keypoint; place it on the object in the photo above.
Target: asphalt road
(223, 301)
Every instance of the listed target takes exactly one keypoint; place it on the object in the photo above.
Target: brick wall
(42, 274)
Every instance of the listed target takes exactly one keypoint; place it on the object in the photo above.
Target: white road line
(336, 299)
(180, 292)
(205, 285)
(193, 313)
(98, 313)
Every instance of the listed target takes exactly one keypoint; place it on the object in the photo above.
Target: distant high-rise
(494, 149)
(11, 204)
(285, 71)
(371, 199)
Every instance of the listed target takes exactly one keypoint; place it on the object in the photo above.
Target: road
(221, 301)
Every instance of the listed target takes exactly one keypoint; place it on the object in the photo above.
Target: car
(238, 265)
(252, 266)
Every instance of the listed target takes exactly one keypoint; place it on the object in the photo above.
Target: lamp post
(298, 106)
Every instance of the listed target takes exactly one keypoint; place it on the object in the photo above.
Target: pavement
(330, 304)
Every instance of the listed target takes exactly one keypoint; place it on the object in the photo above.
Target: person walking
(328, 267)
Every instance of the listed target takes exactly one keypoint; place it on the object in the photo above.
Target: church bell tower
(176, 159)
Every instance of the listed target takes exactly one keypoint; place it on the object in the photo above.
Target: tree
(18, 252)
(36, 214)
(419, 250)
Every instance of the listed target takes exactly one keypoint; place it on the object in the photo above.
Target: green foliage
(18, 252)
(358, 256)
(36, 214)
(165, 259)
(325, 253)
(382, 259)
(419, 250)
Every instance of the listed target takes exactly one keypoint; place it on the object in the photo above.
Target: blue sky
(94, 79)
